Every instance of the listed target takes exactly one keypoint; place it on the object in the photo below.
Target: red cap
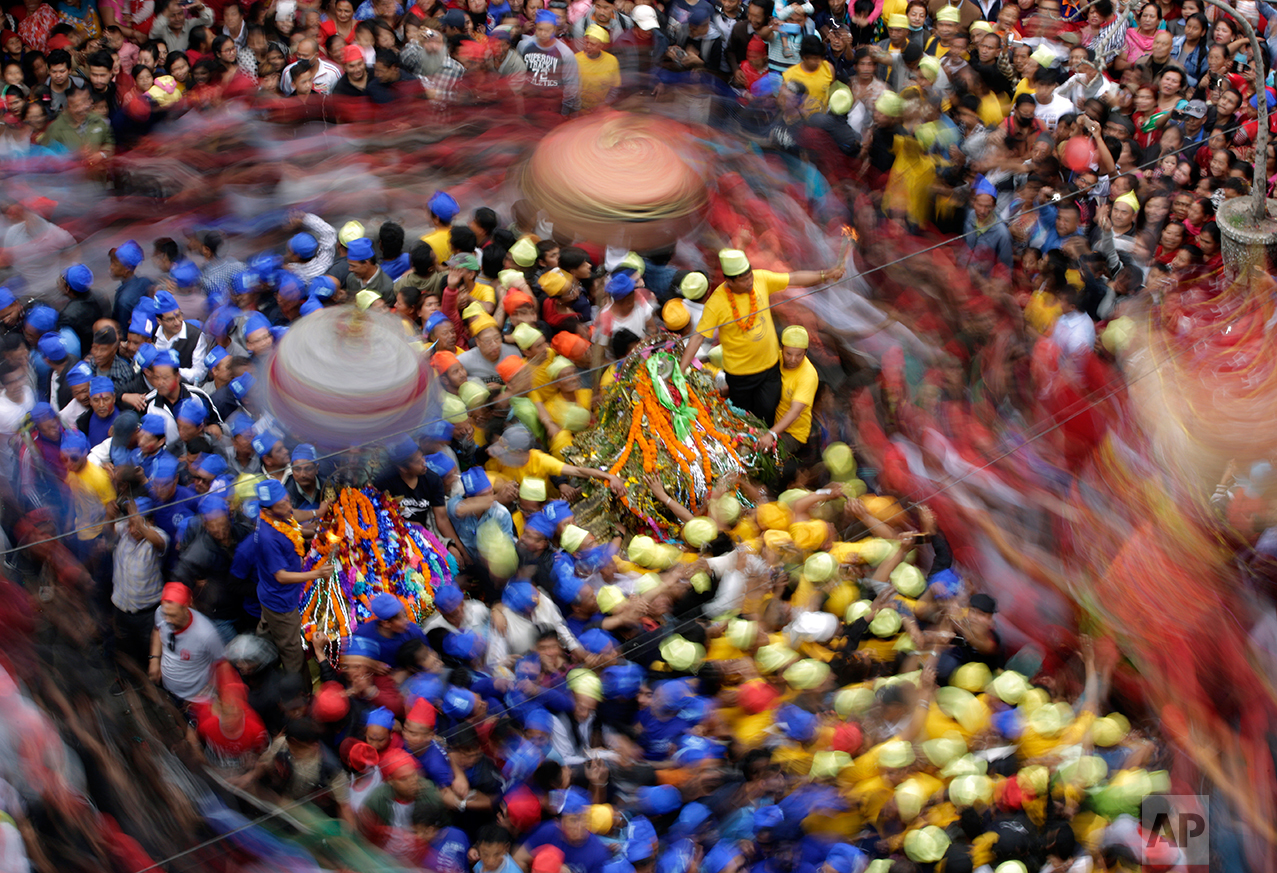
(515, 299)
(331, 703)
(756, 696)
(523, 809)
(361, 757)
(422, 712)
(472, 50)
(547, 859)
(176, 592)
(571, 346)
(847, 738)
(352, 53)
(395, 761)
(443, 361)
(57, 42)
(41, 206)
(509, 368)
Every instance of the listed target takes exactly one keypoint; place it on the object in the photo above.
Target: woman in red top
(342, 23)
(1173, 236)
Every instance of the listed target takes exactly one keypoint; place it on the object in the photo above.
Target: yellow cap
(794, 337)
(1009, 686)
(681, 654)
(532, 488)
(482, 323)
(596, 32)
(473, 394)
(819, 567)
(734, 262)
(774, 516)
(1118, 334)
(453, 410)
(826, 765)
(973, 677)
(524, 253)
(633, 261)
(885, 624)
(350, 231)
(576, 418)
(926, 846)
(699, 532)
(742, 633)
(572, 538)
(908, 580)
(508, 278)
(716, 356)
(774, 658)
(554, 282)
(473, 310)
(898, 19)
(366, 298)
(694, 286)
(556, 367)
(601, 818)
(807, 674)
(675, 315)
(585, 682)
(777, 539)
(895, 754)
(1043, 57)
(967, 765)
(910, 796)
(1110, 730)
(1035, 778)
(609, 597)
(857, 611)
(966, 791)
(940, 751)
(890, 104)
(726, 509)
(950, 14)
(1011, 867)
(840, 461)
(525, 336)
(1130, 200)
(980, 26)
(853, 701)
(1052, 719)
(839, 101)
(647, 582)
(1087, 771)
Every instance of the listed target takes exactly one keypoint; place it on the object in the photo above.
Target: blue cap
(402, 449)
(129, 253)
(540, 523)
(242, 424)
(692, 816)
(567, 585)
(145, 356)
(768, 817)
(522, 760)
(677, 858)
(101, 385)
(74, 442)
(797, 723)
(146, 306)
(277, 331)
(185, 274)
(255, 322)
(381, 717)
(80, 374)
(303, 452)
(557, 511)
(463, 646)
(640, 840)
(575, 801)
(618, 865)
(290, 287)
(215, 356)
(538, 719)
(265, 265)
(359, 249)
(220, 319)
(41, 318)
(620, 285)
(694, 709)
(440, 463)
(303, 245)
(144, 505)
(457, 703)
(699, 14)
(622, 681)
(270, 492)
(436, 318)
(165, 303)
(52, 347)
(981, 185)
(78, 277)
(6, 298)
(242, 384)
(444, 206)
(597, 641)
(263, 443)
(545, 16)
(361, 647)
(1009, 723)
(423, 685)
(438, 431)
(658, 799)
(192, 411)
(520, 597)
(43, 412)
(843, 858)
(323, 287)
(212, 505)
(153, 423)
(211, 465)
(385, 606)
(163, 467)
(723, 853)
(949, 581)
(448, 598)
(475, 481)
(246, 282)
(310, 305)
(695, 749)
(167, 358)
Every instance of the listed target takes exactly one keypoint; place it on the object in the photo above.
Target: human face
(343, 11)
(304, 83)
(165, 380)
(358, 72)
(604, 12)
(404, 783)
(1219, 162)
(14, 383)
(545, 33)
(865, 69)
(917, 16)
(741, 284)
(144, 80)
(385, 75)
(78, 106)
(1066, 222)
(305, 473)
(990, 47)
(227, 53)
(175, 614)
(1161, 46)
(1148, 19)
(59, 74)
(1179, 206)
(1172, 83)
(489, 342)
(259, 342)
(1172, 237)
(1183, 174)
(99, 77)
(1145, 100)
(187, 431)
(575, 829)
(791, 358)
(416, 737)
(1228, 103)
(491, 855)
(1192, 30)
(180, 70)
(283, 509)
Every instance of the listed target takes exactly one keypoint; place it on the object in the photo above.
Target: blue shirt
(435, 765)
(658, 736)
(589, 857)
(390, 647)
(127, 295)
(244, 566)
(99, 428)
(275, 552)
(396, 267)
(449, 852)
(507, 866)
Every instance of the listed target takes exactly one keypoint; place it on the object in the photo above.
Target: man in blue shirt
(279, 550)
(124, 262)
(583, 852)
(1055, 225)
(390, 629)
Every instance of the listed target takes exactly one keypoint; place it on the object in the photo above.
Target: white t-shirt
(1074, 333)
(1051, 113)
(11, 413)
(187, 656)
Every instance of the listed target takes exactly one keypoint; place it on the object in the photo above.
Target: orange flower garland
(746, 323)
(355, 508)
(290, 529)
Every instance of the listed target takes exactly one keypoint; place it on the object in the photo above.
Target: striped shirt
(137, 583)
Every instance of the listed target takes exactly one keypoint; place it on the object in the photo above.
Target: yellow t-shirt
(817, 84)
(798, 386)
(92, 490)
(438, 240)
(539, 466)
(746, 349)
(598, 78)
(482, 291)
(991, 111)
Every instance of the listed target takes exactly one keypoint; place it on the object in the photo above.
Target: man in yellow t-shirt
(600, 72)
(443, 208)
(740, 311)
(91, 488)
(512, 459)
(798, 383)
(816, 74)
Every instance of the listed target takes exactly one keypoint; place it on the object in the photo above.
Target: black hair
(100, 59)
(486, 219)
(491, 260)
(411, 295)
(58, 56)
(1025, 98)
(545, 246)
(862, 7)
(811, 46)
(464, 737)
(1104, 8)
(429, 813)
(422, 258)
(391, 237)
(572, 257)
(621, 342)
(546, 632)
(493, 834)
(303, 730)
(462, 238)
(408, 654)
(386, 57)
(167, 247)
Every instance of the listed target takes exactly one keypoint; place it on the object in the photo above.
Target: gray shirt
(187, 656)
(379, 282)
(480, 369)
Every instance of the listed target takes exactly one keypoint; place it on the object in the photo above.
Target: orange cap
(443, 361)
(570, 345)
(515, 299)
(509, 368)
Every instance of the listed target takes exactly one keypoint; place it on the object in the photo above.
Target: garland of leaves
(655, 420)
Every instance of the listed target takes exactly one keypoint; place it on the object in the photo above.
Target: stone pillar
(1246, 244)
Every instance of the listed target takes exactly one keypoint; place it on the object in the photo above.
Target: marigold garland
(290, 529)
(747, 323)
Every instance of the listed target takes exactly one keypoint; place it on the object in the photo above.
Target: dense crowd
(814, 677)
